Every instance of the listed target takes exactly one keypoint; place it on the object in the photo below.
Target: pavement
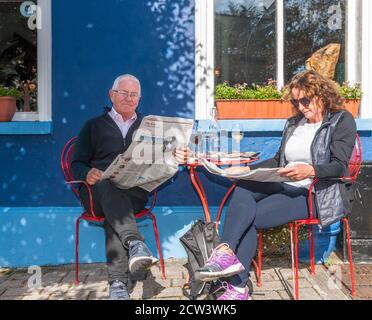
(57, 283)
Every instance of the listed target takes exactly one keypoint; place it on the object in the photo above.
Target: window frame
(44, 69)
(356, 67)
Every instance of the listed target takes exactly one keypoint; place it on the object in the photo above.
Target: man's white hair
(126, 77)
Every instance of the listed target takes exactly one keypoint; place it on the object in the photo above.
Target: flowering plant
(270, 91)
(352, 92)
(242, 91)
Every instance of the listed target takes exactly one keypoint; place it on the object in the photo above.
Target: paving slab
(277, 283)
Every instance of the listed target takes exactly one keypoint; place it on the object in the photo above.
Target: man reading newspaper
(99, 144)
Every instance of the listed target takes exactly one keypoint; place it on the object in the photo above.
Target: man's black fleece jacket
(99, 142)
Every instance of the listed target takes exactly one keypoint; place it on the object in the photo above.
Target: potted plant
(8, 106)
(352, 95)
(266, 102)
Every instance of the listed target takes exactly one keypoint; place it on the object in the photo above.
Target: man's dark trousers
(118, 207)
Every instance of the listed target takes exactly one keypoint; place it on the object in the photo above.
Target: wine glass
(195, 140)
(237, 136)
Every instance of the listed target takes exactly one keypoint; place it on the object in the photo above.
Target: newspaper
(261, 174)
(149, 160)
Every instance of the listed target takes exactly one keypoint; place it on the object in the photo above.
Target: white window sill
(275, 125)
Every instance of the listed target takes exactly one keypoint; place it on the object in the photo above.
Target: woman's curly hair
(315, 85)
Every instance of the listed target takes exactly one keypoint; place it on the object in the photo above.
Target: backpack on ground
(199, 243)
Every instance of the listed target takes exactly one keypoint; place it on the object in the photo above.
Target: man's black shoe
(140, 257)
(119, 291)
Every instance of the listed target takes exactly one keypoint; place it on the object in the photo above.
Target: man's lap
(105, 190)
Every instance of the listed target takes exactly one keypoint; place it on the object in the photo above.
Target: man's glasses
(304, 101)
(126, 94)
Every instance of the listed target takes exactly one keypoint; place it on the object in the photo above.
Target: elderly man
(100, 141)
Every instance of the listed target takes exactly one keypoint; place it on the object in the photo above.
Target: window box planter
(265, 109)
(253, 109)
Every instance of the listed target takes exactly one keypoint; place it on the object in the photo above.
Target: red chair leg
(292, 253)
(158, 245)
(259, 269)
(312, 249)
(295, 236)
(353, 290)
(77, 251)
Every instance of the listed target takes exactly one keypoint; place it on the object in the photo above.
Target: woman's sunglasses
(304, 101)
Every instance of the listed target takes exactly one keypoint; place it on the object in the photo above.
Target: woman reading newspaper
(317, 142)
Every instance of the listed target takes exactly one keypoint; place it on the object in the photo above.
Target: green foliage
(10, 92)
(242, 91)
(278, 241)
(348, 91)
(270, 91)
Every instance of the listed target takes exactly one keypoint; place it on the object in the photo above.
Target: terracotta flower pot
(352, 106)
(8, 108)
(253, 109)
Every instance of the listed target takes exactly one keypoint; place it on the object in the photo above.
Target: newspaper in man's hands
(260, 175)
(149, 160)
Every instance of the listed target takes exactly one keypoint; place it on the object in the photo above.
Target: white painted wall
(366, 112)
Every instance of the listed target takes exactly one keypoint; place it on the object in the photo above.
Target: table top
(225, 159)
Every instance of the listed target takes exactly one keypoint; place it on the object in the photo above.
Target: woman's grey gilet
(332, 197)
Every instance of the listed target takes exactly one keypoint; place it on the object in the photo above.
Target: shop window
(245, 47)
(25, 56)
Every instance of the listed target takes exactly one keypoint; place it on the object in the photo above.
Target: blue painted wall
(93, 42)
(44, 236)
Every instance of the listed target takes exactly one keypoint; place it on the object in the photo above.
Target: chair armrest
(75, 182)
(154, 195)
(91, 206)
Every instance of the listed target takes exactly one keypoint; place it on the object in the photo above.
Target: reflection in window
(18, 53)
(310, 26)
(245, 41)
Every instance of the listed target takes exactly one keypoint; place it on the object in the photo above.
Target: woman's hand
(93, 176)
(298, 172)
(237, 170)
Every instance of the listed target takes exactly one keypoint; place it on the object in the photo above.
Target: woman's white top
(298, 149)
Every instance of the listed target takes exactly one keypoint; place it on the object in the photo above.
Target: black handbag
(199, 243)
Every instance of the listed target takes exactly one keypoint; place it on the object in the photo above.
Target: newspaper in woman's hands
(260, 175)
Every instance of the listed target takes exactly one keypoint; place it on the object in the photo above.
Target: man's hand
(93, 176)
(237, 170)
(298, 172)
(182, 155)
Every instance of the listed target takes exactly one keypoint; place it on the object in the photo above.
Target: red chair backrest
(66, 159)
(356, 160)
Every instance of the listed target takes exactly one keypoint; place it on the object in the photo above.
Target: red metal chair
(354, 168)
(89, 216)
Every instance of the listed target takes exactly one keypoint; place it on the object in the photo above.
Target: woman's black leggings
(256, 206)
